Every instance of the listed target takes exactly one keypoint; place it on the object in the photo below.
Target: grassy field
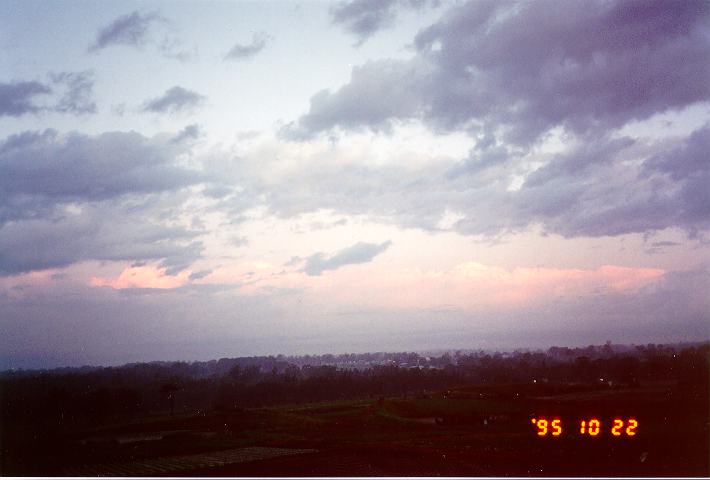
(464, 431)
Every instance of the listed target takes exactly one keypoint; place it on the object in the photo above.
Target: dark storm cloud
(70, 198)
(524, 69)
(361, 252)
(131, 29)
(175, 99)
(19, 98)
(364, 18)
(65, 92)
(243, 51)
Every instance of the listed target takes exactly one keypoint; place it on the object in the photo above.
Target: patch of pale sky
(671, 123)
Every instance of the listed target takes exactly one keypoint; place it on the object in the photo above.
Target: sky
(199, 179)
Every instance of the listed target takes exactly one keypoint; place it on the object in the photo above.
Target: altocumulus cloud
(19, 98)
(361, 252)
(65, 92)
(364, 18)
(243, 51)
(78, 95)
(189, 133)
(132, 30)
(175, 99)
(138, 30)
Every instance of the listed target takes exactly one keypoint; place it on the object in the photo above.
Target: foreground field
(466, 431)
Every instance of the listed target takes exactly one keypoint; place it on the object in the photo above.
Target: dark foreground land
(472, 427)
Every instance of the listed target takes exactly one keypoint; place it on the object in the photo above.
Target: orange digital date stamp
(591, 427)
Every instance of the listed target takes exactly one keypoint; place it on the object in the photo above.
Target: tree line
(89, 395)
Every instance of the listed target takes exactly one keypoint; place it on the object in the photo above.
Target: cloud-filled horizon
(192, 181)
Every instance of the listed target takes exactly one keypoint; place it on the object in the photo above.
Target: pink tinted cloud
(15, 286)
(467, 285)
(622, 278)
(474, 285)
(248, 276)
(522, 284)
(142, 277)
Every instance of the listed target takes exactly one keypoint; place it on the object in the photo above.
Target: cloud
(99, 232)
(143, 277)
(519, 70)
(243, 51)
(579, 161)
(74, 197)
(518, 79)
(131, 29)
(189, 133)
(685, 161)
(604, 185)
(44, 169)
(18, 98)
(602, 188)
(475, 287)
(174, 100)
(199, 274)
(664, 244)
(78, 97)
(687, 168)
(361, 252)
(394, 86)
(364, 18)
(65, 92)
(138, 30)
(78, 325)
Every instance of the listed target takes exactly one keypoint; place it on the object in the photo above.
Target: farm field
(465, 431)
